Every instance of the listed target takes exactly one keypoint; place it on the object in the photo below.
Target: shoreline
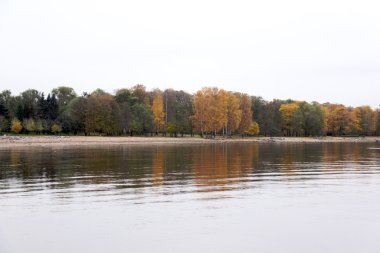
(68, 141)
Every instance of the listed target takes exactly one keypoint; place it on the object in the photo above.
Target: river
(227, 197)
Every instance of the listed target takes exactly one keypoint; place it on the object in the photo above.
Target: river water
(191, 198)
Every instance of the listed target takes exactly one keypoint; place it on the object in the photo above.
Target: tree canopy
(209, 112)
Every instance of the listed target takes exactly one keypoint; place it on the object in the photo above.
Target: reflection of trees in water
(220, 164)
(343, 156)
(21, 163)
(158, 165)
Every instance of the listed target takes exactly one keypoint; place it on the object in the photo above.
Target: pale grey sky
(325, 50)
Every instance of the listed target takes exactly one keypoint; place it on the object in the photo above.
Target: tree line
(209, 112)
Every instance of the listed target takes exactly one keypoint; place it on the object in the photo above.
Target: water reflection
(191, 198)
(171, 169)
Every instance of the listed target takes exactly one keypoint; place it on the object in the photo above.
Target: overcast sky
(307, 50)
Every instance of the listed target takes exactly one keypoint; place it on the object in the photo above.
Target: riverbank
(26, 141)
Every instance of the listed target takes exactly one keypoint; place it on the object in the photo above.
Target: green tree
(178, 107)
(142, 119)
(267, 115)
(41, 126)
(30, 125)
(64, 95)
(73, 117)
(377, 122)
(28, 105)
(4, 124)
(102, 115)
(139, 92)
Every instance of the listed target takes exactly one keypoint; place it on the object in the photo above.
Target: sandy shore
(26, 141)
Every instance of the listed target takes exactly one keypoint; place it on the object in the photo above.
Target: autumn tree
(337, 120)
(253, 129)
(16, 126)
(246, 113)
(158, 112)
(210, 110)
(362, 120)
(288, 122)
(234, 113)
(200, 111)
(220, 111)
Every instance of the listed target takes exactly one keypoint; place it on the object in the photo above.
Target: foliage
(30, 125)
(102, 115)
(267, 115)
(233, 113)
(210, 111)
(246, 113)
(158, 111)
(171, 129)
(338, 120)
(16, 126)
(56, 128)
(178, 106)
(289, 121)
(64, 95)
(253, 129)
(4, 124)
(142, 119)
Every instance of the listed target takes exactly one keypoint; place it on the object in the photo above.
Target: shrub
(253, 129)
(16, 126)
(56, 128)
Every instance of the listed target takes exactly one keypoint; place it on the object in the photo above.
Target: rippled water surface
(191, 198)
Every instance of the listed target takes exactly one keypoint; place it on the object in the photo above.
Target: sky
(325, 51)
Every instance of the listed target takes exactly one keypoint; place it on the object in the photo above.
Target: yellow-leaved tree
(362, 120)
(338, 119)
(246, 113)
(234, 113)
(210, 110)
(287, 112)
(16, 126)
(158, 112)
(253, 129)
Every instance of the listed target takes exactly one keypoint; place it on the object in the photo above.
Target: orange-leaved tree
(158, 111)
(16, 126)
